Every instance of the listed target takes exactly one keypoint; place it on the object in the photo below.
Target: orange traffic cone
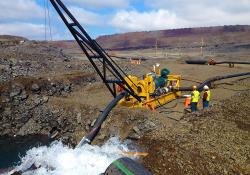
(187, 102)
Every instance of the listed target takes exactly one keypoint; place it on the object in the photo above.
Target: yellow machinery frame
(146, 87)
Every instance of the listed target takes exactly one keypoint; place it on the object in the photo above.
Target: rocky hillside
(8, 40)
(237, 36)
(11, 38)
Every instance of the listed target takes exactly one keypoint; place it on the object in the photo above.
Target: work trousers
(205, 104)
(194, 106)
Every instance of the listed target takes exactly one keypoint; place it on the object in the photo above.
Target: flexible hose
(102, 117)
(210, 80)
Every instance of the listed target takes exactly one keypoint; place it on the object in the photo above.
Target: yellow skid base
(146, 88)
(151, 103)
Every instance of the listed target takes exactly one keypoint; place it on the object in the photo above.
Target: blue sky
(102, 17)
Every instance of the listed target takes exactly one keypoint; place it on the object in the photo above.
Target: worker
(194, 99)
(206, 96)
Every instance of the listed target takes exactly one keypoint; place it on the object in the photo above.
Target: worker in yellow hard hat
(206, 97)
(194, 99)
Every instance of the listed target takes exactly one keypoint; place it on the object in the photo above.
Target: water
(12, 148)
(58, 159)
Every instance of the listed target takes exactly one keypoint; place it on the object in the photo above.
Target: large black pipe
(127, 166)
(213, 62)
(232, 62)
(102, 117)
(196, 61)
(210, 80)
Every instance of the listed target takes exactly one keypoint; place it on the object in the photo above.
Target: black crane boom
(108, 70)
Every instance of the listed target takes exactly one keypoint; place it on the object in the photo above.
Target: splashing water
(58, 159)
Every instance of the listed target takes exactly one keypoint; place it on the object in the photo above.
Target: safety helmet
(194, 87)
(205, 87)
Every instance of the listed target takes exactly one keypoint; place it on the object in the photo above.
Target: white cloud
(101, 3)
(86, 17)
(183, 13)
(22, 17)
(153, 20)
(29, 30)
(20, 9)
(214, 16)
(207, 12)
(186, 5)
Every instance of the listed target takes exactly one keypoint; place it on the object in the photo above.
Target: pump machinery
(154, 89)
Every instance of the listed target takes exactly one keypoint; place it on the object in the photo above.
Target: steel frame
(95, 52)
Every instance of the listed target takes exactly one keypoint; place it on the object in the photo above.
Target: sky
(103, 17)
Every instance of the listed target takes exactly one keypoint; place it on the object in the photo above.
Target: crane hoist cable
(50, 30)
(47, 20)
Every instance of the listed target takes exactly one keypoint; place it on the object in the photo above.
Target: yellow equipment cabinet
(151, 96)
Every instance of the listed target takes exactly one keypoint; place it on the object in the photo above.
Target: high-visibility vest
(208, 95)
(195, 96)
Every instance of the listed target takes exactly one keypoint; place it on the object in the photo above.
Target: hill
(236, 35)
(9, 40)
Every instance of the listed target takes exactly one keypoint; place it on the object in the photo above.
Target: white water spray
(58, 159)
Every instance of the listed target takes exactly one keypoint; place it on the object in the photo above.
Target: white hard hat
(206, 87)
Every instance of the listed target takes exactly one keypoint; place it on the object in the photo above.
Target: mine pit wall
(25, 106)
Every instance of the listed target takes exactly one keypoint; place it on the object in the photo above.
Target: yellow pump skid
(145, 89)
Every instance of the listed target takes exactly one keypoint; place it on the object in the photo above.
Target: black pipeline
(210, 80)
(102, 117)
(126, 166)
(213, 62)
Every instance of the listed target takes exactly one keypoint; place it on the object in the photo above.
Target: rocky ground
(216, 141)
(42, 86)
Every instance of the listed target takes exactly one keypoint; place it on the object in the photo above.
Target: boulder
(79, 118)
(35, 87)
(15, 91)
(45, 99)
(136, 130)
(24, 95)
